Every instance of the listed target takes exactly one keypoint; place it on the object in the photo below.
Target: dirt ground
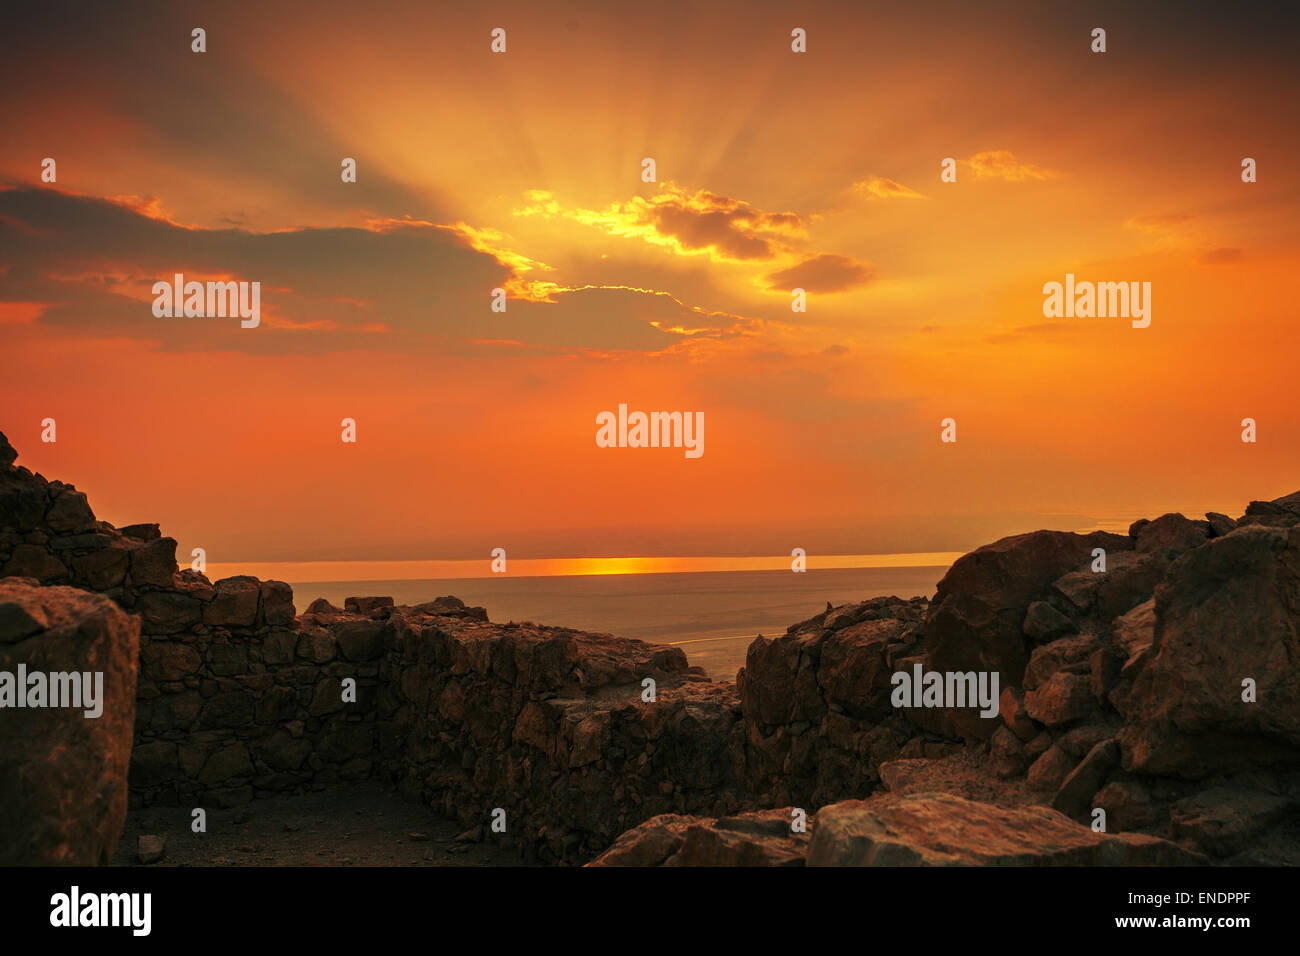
(359, 825)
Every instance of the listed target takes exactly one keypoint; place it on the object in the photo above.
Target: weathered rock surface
(976, 622)
(1227, 612)
(764, 838)
(1222, 821)
(63, 775)
(939, 829)
(816, 702)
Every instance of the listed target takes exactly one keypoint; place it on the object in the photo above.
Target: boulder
(1220, 524)
(940, 829)
(976, 621)
(1129, 579)
(149, 848)
(1068, 655)
(1074, 798)
(1227, 611)
(1171, 532)
(1279, 513)
(763, 838)
(1050, 769)
(1065, 698)
(364, 605)
(63, 775)
(649, 844)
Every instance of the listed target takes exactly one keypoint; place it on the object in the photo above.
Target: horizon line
(310, 572)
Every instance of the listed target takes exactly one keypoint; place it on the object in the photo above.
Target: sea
(711, 615)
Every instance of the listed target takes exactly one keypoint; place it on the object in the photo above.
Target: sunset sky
(523, 170)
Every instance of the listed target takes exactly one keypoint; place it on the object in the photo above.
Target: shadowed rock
(63, 776)
(751, 839)
(976, 622)
(1226, 612)
(939, 829)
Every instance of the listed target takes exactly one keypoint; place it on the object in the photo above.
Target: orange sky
(476, 170)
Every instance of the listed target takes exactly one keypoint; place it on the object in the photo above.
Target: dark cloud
(94, 262)
(824, 273)
(705, 219)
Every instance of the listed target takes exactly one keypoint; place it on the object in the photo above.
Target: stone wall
(552, 726)
(235, 695)
(817, 715)
(246, 699)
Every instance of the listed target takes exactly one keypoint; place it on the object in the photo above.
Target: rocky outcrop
(65, 749)
(1222, 690)
(978, 618)
(816, 702)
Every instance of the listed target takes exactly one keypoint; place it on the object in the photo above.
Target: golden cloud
(698, 223)
(878, 187)
(1001, 164)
